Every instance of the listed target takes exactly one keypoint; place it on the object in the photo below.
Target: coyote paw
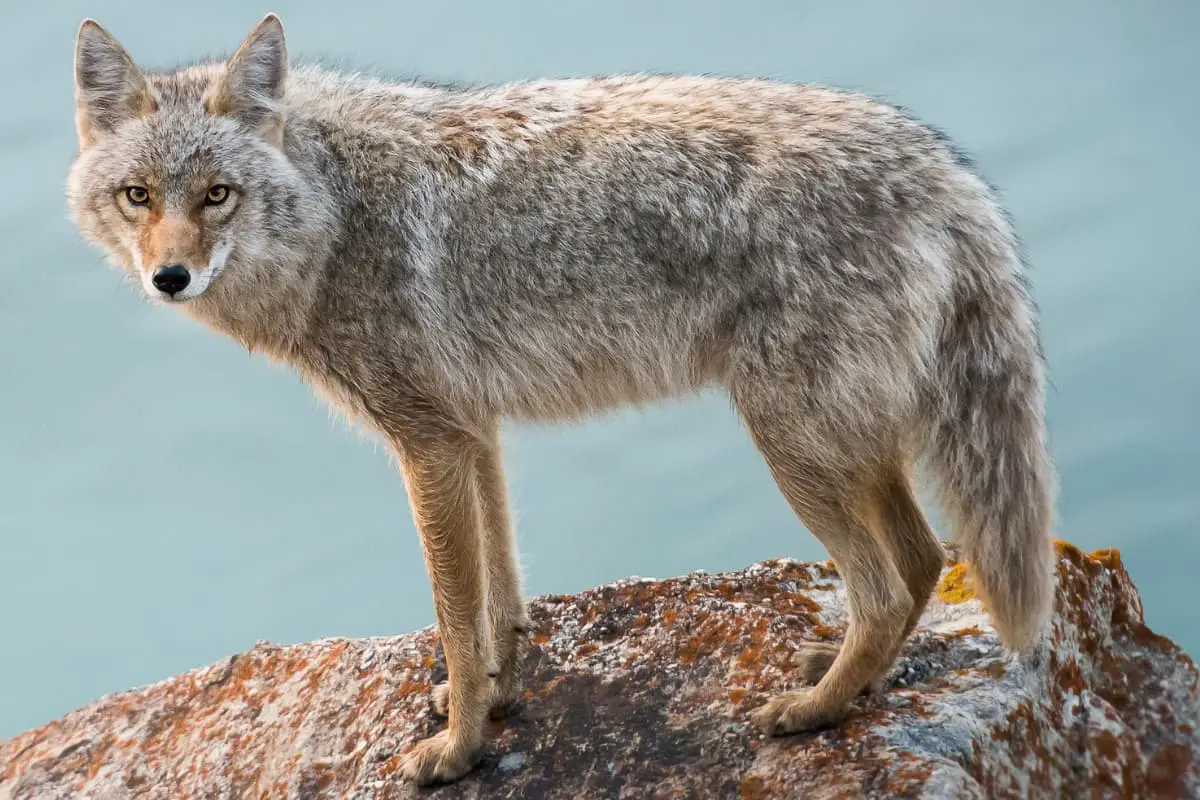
(815, 659)
(439, 759)
(793, 712)
(441, 699)
(501, 702)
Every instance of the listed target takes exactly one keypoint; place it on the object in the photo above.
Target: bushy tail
(988, 446)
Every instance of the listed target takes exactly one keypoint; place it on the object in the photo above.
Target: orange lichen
(795, 603)
(391, 766)
(322, 776)
(1070, 678)
(825, 632)
(1148, 638)
(1167, 771)
(748, 657)
(909, 776)
(409, 688)
(710, 638)
(753, 787)
(1106, 744)
(962, 633)
(826, 569)
(96, 757)
(996, 670)
(955, 586)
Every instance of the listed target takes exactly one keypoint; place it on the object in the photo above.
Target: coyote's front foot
(440, 759)
(504, 698)
(793, 712)
(816, 658)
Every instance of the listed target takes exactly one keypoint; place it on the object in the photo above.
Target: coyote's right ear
(251, 87)
(109, 87)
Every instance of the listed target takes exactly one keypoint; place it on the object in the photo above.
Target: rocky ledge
(642, 688)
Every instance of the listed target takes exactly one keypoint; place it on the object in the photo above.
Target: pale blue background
(166, 499)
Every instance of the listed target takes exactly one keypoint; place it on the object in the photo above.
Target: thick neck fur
(374, 158)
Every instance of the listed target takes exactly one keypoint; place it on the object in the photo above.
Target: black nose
(171, 278)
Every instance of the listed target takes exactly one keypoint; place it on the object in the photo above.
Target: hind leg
(918, 555)
(837, 499)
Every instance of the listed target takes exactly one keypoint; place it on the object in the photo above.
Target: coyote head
(182, 177)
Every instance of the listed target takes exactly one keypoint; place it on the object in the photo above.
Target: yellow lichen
(954, 587)
(1067, 550)
(1108, 556)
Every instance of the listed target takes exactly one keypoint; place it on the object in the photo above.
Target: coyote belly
(435, 260)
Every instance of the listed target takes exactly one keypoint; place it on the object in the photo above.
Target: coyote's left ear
(109, 87)
(250, 88)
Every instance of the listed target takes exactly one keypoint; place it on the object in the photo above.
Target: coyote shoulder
(434, 260)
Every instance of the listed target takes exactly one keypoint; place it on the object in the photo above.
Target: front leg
(507, 615)
(439, 472)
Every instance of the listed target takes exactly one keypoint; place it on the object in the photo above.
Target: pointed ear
(109, 87)
(250, 88)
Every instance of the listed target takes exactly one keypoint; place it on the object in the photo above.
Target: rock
(641, 689)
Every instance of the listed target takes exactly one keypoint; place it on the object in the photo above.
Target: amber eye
(137, 196)
(217, 195)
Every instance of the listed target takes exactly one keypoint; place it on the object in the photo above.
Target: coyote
(434, 260)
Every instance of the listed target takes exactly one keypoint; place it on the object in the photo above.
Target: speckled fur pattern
(435, 260)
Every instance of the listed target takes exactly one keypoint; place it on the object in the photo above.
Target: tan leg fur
(439, 469)
(507, 616)
(918, 555)
(843, 507)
